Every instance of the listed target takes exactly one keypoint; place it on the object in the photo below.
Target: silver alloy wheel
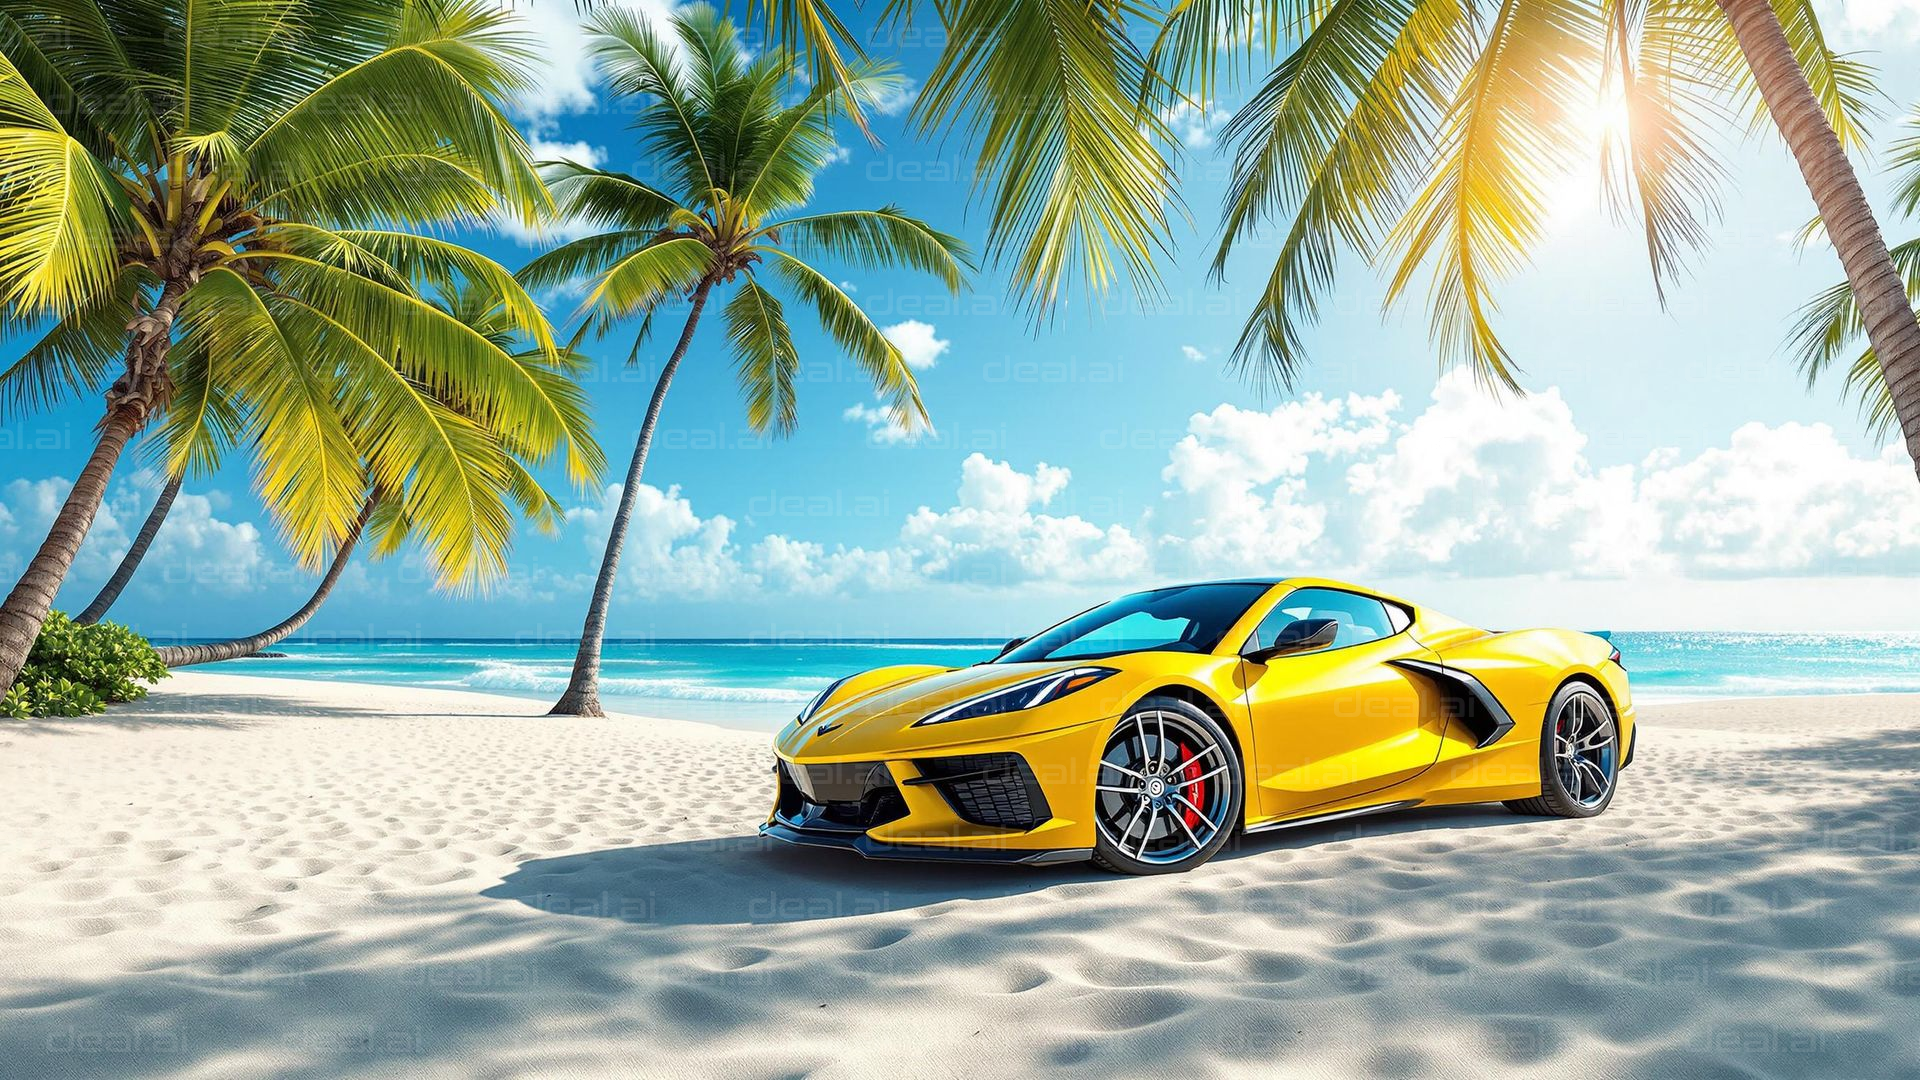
(1164, 789)
(1585, 749)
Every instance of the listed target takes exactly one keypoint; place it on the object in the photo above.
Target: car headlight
(813, 704)
(1021, 695)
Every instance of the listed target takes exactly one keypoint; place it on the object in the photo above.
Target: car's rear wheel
(1579, 756)
(1167, 790)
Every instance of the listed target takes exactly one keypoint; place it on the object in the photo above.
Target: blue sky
(1670, 469)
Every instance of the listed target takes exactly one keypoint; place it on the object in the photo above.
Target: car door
(1338, 721)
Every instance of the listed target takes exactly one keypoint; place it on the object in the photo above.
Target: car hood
(876, 720)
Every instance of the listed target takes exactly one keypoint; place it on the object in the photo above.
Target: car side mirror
(1302, 636)
(1009, 647)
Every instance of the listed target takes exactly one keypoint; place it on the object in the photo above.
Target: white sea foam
(548, 678)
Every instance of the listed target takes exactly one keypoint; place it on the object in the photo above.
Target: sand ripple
(244, 877)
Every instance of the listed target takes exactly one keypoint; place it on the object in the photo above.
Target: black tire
(1218, 807)
(1557, 798)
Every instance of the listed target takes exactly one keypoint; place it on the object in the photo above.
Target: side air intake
(1467, 699)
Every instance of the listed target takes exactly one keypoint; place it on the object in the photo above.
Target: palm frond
(1049, 92)
(228, 50)
(455, 362)
(1844, 84)
(1509, 137)
(639, 62)
(1828, 328)
(777, 152)
(452, 270)
(1904, 159)
(449, 472)
(638, 282)
(876, 238)
(1199, 34)
(435, 86)
(843, 321)
(78, 354)
(204, 420)
(307, 469)
(765, 361)
(61, 211)
(586, 257)
(1337, 134)
(810, 28)
(85, 63)
(435, 183)
(605, 198)
(1660, 166)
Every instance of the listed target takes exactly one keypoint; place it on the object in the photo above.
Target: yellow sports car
(1144, 733)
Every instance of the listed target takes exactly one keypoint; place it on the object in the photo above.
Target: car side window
(1360, 618)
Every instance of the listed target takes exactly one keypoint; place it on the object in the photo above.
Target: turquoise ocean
(761, 684)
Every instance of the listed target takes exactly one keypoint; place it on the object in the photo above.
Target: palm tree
(136, 551)
(1426, 135)
(1831, 324)
(234, 175)
(385, 512)
(733, 155)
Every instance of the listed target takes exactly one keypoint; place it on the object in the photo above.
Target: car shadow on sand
(753, 880)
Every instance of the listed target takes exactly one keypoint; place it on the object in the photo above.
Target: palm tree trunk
(140, 392)
(1849, 221)
(131, 561)
(582, 697)
(175, 656)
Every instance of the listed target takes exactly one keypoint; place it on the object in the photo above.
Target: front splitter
(870, 848)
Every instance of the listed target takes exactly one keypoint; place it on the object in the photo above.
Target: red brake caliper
(1195, 793)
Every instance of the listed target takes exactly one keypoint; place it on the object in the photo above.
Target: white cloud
(195, 548)
(565, 76)
(1238, 498)
(669, 549)
(1195, 123)
(896, 100)
(1472, 486)
(884, 425)
(839, 155)
(1786, 500)
(996, 536)
(1478, 484)
(1192, 353)
(1874, 22)
(918, 343)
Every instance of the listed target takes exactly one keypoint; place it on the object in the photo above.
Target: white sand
(248, 876)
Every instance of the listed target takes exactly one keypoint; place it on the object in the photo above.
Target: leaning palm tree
(240, 172)
(732, 154)
(136, 553)
(1427, 136)
(1830, 326)
(501, 453)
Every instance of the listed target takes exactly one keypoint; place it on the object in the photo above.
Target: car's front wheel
(1579, 756)
(1167, 790)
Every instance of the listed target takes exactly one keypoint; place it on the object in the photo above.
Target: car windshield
(1189, 618)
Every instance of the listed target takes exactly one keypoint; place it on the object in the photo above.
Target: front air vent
(857, 795)
(996, 790)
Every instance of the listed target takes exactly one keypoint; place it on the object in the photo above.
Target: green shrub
(75, 670)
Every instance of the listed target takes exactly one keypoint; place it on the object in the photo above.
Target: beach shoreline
(250, 875)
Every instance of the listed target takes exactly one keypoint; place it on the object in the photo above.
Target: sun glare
(1600, 126)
